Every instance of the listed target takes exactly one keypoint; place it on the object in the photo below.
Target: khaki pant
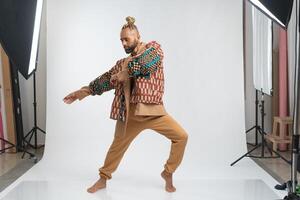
(164, 125)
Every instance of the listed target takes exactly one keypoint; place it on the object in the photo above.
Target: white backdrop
(202, 43)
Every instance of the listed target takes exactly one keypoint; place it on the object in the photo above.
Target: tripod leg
(250, 129)
(24, 138)
(28, 142)
(272, 151)
(30, 154)
(28, 133)
(267, 145)
(5, 148)
(256, 129)
(41, 130)
(245, 155)
(264, 141)
(287, 161)
(18, 148)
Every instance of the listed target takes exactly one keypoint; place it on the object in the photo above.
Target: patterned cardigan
(146, 70)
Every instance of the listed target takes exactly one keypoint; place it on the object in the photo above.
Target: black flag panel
(17, 23)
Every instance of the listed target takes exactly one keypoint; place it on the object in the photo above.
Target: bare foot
(100, 184)
(169, 181)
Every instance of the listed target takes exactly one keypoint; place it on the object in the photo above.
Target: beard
(130, 49)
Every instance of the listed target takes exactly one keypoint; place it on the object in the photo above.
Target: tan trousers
(164, 125)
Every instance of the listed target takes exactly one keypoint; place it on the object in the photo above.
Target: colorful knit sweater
(146, 70)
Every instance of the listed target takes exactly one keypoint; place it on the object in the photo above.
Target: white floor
(142, 189)
(244, 181)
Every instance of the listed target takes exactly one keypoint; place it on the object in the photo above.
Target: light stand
(256, 127)
(263, 143)
(34, 130)
(18, 148)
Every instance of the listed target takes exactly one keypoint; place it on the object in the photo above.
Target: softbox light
(262, 52)
(278, 10)
(19, 32)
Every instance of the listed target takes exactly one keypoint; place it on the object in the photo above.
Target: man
(138, 81)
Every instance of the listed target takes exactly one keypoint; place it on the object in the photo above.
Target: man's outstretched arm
(98, 86)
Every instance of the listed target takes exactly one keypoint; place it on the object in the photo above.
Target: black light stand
(263, 143)
(256, 127)
(18, 147)
(34, 130)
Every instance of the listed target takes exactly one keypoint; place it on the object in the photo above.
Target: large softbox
(19, 32)
(278, 10)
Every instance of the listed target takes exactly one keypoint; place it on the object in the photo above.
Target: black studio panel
(17, 19)
(280, 9)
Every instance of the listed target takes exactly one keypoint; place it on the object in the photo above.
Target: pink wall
(283, 78)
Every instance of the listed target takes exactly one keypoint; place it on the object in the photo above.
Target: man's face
(129, 39)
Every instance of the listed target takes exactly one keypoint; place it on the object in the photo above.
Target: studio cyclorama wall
(203, 80)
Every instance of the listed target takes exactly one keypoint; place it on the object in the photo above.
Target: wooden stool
(281, 137)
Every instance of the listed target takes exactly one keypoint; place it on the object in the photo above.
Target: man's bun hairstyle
(130, 24)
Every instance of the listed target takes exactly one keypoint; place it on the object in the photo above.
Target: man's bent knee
(183, 136)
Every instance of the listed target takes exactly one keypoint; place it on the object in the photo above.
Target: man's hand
(78, 94)
(122, 76)
(114, 79)
(70, 98)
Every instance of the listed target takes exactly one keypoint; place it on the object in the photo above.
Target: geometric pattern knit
(145, 64)
(102, 83)
(146, 69)
(149, 88)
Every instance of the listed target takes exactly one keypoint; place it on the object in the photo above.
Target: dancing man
(138, 81)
